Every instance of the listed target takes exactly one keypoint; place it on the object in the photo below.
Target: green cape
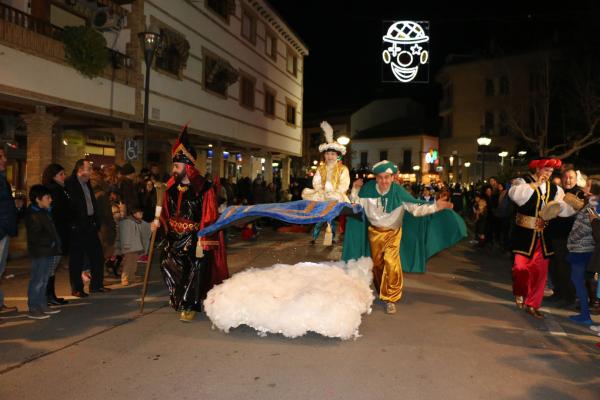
(422, 237)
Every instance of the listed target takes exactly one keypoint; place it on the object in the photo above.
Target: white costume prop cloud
(326, 298)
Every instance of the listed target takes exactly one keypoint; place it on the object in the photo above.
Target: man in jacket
(85, 244)
(8, 223)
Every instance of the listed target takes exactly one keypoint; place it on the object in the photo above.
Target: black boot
(51, 294)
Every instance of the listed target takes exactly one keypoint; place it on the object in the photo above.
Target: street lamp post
(467, 164)
(483, 141)
(502, 155)
(150, 41)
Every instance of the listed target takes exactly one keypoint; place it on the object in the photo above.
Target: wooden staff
(160, 191)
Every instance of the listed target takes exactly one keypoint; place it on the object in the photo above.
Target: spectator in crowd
(480, 210)
(111, 177)
(427, 195)
(270, 194)
(558, 232)
(43, 245)
(457, 198)
(108, 228)
(148, 200)
(53, 179)
(594, 265)
(127, 187)
(8, 225)
(113, 261)
(580, 244)
(155, 172)
(134, 238)
(502, 217)
(85, 224)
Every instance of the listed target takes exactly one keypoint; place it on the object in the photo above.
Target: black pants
(560, 270)
(188, 278)
(85, 246)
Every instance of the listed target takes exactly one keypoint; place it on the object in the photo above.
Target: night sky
(343, 69)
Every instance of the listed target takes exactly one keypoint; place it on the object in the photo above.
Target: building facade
(488, 97)
(232, 70)
(396, 130)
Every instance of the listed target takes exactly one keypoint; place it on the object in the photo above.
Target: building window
(290, 114)
(173, 53)
(489, 87)
(364, 159)
(218, 74)
(504, 88)
(247, 92)
(489, 122)
(292, 62)
(407, 161)
(248, 26)
(383, 155)
(269, 101)
(271, 45)
(221, 7)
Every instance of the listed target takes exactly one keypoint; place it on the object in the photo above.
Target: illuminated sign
(405, 51)
(431, 157)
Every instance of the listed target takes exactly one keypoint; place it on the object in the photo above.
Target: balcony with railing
(38, 37)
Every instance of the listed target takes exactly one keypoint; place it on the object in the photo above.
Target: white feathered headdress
(330, 144)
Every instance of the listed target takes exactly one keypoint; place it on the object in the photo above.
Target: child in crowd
(134, 236)
(43, 244)
(481, 212)
(113, 261)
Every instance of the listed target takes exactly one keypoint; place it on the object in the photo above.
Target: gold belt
(526, 221)
(184, 226)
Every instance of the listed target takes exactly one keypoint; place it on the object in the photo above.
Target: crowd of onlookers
(97, 221)
(94, 219)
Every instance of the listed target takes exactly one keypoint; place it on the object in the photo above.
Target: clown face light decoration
(406, 51)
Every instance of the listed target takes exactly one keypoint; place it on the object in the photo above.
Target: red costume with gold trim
(187, 208)
(529, 243)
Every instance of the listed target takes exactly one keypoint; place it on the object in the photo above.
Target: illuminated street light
(343, 140)
(483, 141)
(467, 164)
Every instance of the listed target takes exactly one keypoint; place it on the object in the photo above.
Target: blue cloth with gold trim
(300, 212)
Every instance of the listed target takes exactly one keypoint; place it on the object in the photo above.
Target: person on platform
(384, 203)
(538, 201)
(330, 182)
(189, 267)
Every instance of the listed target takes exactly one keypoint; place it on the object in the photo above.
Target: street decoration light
(483, 141)
(343, 140)
(150, 42)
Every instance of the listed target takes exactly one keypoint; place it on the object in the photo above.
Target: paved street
(457, 335)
